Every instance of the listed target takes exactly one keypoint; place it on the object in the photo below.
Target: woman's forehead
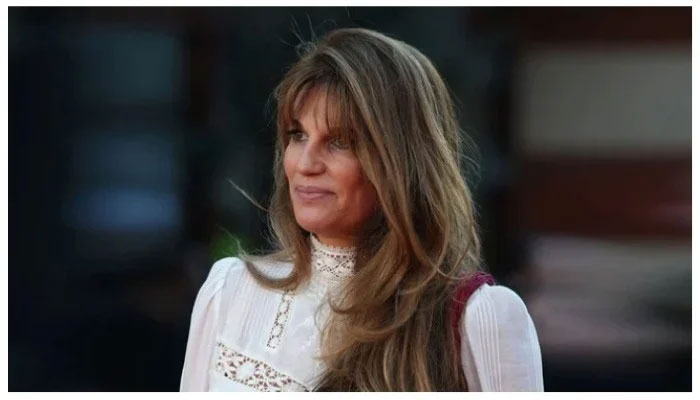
(318, 106)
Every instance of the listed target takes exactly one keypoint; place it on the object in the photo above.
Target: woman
(378, 247)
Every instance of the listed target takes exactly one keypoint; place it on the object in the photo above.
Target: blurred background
(127, 124)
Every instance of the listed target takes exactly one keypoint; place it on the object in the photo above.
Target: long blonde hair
(389, 331)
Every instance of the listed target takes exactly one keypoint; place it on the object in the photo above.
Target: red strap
(462, 294)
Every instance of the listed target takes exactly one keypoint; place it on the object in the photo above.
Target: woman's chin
(314, 225)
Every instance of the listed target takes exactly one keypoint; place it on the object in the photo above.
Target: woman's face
(330, 194)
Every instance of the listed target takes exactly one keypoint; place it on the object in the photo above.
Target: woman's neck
(336, 241)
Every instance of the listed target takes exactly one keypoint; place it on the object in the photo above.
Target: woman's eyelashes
(295, 135)
(339, 143)
(334, 142)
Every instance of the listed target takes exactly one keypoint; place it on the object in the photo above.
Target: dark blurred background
(126, 125)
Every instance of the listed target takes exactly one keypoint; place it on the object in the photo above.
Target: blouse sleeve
(202, 335)
(500, 350)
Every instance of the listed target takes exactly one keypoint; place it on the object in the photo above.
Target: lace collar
(330, 262)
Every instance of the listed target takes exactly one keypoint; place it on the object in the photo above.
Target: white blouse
(244, 337)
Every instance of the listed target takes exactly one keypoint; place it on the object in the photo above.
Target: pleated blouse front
(244, 337)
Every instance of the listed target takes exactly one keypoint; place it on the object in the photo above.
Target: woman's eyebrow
(295, 123)
(335, 131)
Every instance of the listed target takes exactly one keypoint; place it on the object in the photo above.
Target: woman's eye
(296, 135)
(339, 143)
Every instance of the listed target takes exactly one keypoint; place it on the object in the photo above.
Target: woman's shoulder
(234, 269)
(225, 265)
(503, 351)
(221, 269)
(496, 304)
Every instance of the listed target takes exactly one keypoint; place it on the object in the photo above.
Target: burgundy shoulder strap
(459, 301)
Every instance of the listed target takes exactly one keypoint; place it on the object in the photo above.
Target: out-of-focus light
(123, 210)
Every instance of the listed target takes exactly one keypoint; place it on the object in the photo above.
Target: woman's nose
(310, 162)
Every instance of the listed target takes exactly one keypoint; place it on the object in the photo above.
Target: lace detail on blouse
(330, 261)
(330, 264)
(283, 312)
(253, 373)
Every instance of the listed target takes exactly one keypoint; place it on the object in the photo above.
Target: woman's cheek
(289, 162)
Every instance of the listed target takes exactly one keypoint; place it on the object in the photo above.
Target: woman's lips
(310, 193)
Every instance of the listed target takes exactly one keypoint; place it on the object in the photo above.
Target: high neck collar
(331, 262)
